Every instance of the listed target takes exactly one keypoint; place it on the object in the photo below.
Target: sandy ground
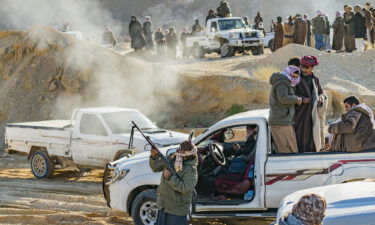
(70, 197)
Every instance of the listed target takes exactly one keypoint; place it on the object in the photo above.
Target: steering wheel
(217, 154)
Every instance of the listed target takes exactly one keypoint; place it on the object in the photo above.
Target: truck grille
(250, 34)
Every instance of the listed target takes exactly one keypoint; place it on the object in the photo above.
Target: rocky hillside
(45, 74)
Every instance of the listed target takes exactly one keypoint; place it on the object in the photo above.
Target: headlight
(115, 174)
(148, 146)
(234, 35)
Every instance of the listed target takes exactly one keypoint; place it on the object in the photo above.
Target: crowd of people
(298, 105)
(352, 30)
(166, 41)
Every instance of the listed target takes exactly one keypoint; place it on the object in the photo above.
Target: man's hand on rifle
(154, 153)
(166, 174)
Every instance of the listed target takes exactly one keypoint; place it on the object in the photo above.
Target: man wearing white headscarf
(282, 101)
(147, 33)
(319, 28)
(338, 32)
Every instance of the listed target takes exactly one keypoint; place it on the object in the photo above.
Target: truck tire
(198, 51)
(258, 50)
(42, 165)
(226, 50)
(144, 211)
(271, 45)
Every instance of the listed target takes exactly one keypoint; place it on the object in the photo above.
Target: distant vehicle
(92, 138)
(129, 185)
(226, 36)
(269, 40)
(347, 204)
(76, 34)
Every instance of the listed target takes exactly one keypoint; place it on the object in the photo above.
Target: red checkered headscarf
(309, 60)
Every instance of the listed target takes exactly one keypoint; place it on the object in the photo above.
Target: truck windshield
(231, 24)
(121, 122)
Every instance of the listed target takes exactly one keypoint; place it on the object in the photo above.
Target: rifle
(164, 160)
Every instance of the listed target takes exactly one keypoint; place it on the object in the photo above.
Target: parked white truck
(92, 138)
(226, 36)
(130, 185)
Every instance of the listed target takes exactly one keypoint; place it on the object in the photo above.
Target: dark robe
(170, 219)
(308, 36)
(279, 35)
(135, 32)
(359, 27)
(354, 132)
(338, 33)
(372, 31)
(210, 17)
(303, 116)
(300, 31)
(257, 20)
(349, 40)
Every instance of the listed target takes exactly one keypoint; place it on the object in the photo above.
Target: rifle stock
(165, 161)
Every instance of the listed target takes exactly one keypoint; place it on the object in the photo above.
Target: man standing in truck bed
(310, 116)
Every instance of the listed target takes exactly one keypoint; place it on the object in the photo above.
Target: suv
(226, 36)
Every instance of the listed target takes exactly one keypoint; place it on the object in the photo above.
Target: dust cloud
(97, 76)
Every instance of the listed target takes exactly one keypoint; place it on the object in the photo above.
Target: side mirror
(228, 134)
(213, 29)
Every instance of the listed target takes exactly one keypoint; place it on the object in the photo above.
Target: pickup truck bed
(48, 124)
(53, 135)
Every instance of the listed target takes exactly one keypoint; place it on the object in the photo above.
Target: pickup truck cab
(253, 188)
(92, 138)
(226, 36)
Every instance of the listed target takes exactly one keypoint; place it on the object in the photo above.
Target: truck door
(91, 141)
(287, 173)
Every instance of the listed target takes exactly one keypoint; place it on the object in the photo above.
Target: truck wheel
(258, 50)
(198, 52)
(226, 50)
(41, 165)
(271, 45)
(144, 210)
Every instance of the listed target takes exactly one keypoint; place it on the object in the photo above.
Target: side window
(235, 134)
(90, 124)
(213, 26)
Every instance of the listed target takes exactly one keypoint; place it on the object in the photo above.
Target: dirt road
(70, 197)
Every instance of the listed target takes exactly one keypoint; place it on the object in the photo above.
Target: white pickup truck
(253, 189)
(92, 138)
(226, 36)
